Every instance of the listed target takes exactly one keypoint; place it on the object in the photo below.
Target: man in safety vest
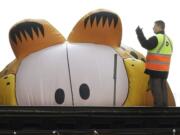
(157, 61)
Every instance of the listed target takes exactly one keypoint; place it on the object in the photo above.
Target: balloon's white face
(79, 74)
(42, 76)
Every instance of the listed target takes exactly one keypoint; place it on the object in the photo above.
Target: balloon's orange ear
(29, 36)
(100, 27)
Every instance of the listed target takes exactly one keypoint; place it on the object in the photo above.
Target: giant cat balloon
(90, 68)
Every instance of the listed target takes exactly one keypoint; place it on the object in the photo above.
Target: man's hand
(138, 30)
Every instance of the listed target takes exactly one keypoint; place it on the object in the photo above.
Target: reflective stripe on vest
(158, 62)
(158, 59)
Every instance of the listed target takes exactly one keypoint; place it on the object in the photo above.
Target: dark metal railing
(89, 120)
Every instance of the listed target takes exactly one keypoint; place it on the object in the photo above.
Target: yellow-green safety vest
(158, 58)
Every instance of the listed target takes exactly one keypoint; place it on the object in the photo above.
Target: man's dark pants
(158, 87)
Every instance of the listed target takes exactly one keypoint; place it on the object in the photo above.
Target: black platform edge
(87, 120)
(92, 132)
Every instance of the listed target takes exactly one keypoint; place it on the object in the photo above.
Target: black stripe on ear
(25, 28)
(106, 16)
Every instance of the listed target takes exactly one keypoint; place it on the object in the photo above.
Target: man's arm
(147, 44)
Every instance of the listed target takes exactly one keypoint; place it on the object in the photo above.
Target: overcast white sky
(64, 14)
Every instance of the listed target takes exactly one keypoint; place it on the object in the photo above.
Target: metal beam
(104, 120)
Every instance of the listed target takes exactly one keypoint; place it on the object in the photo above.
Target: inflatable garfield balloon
(90, 68)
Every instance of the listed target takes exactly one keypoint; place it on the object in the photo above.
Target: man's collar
(160, 32)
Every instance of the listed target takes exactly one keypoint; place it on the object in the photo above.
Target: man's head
(159, 26)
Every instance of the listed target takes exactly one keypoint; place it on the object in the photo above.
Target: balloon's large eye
(59, 96)
(39, 76)
(98, 75)
(84, 91)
